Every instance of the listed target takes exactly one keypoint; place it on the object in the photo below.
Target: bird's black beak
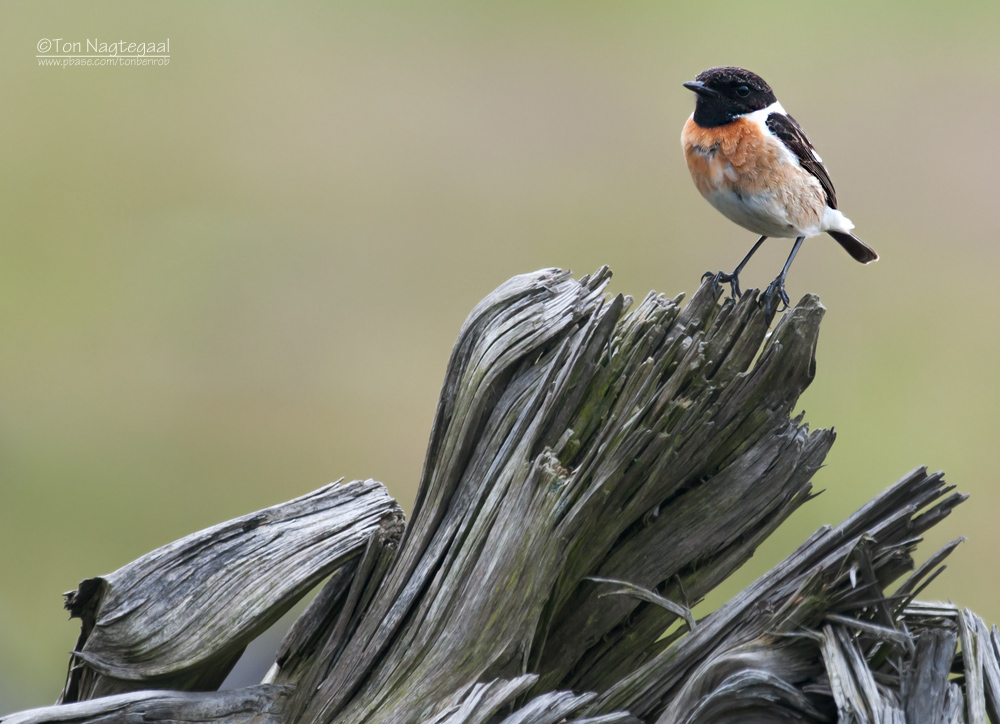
(701, 89)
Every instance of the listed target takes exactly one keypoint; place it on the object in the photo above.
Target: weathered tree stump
(592, 472)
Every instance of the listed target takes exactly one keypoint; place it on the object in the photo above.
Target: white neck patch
(760, 117)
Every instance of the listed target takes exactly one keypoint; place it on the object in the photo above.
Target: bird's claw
(775, 288)
(716, 278)
(721, 277)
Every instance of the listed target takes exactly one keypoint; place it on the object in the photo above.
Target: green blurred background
(228, 281)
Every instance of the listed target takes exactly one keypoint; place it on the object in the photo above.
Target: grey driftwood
(594, 469)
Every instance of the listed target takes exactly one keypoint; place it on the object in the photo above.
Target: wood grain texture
(254, 705)
(791, 605)
(595, 467)
(575, 438)
(180, 616)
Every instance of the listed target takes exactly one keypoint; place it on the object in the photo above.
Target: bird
(753, 162)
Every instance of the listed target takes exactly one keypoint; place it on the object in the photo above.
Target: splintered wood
(594, 469)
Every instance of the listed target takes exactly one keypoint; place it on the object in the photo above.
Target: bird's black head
(724, 93)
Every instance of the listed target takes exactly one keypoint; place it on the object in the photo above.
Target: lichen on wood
(595, 468)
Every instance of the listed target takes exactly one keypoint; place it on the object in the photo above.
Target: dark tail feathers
(855, 247)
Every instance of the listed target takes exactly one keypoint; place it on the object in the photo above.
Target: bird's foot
(732, 280)
(775, 289)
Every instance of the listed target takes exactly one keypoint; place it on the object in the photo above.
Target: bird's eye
(743, 91)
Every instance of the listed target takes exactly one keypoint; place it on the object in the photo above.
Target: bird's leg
(735, 276)
(777, 287)
(733, 279)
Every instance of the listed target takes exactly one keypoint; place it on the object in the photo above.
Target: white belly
(767, 214)
(761, 213)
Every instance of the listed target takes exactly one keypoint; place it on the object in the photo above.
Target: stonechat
(752, 162)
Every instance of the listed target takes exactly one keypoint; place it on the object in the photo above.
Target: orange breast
(733, 157)
(743, 159)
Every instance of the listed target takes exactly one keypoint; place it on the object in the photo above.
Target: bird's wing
(791, 134)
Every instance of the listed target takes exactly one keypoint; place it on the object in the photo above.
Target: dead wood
(594, 469)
